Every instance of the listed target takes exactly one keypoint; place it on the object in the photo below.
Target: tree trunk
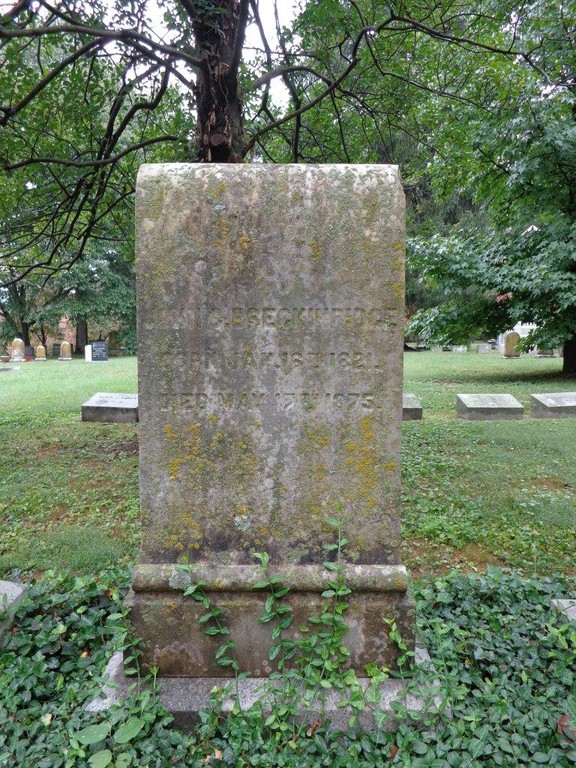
(569, 362)
(219, 29)
(81, 334)
(25, 333)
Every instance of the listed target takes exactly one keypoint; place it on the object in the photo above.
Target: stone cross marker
(270, 327)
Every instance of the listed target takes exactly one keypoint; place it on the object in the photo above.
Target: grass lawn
(503, 660)
(475, 493)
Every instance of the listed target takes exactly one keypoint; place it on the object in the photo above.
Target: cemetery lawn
(475, 493)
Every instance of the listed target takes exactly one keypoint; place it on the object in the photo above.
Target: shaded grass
(68, 489)
(475, 493)
(492, 492)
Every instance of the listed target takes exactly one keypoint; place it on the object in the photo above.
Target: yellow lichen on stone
(170, 432)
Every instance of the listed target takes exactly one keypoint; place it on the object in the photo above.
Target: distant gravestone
(270, 343)
(480, 407)
(88, 353)
(511, 340)
(553, 405)
(40, 353)
(65, 351)
(482, 349)
(28, 352)
(411, 407)
(108, 407)
(99, 352)
(55, 350)
(18, 351)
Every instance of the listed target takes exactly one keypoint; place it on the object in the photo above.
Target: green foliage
(502, 669)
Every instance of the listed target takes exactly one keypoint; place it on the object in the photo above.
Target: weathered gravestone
(411, 407)
(40, 353)
(484, 407)
(270, 344)
(18, 349)
(111, 408)
(511, 340)
(65, 351)
(553, 405)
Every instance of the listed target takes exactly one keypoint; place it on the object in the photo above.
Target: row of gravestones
(108, 407)
(19, 352)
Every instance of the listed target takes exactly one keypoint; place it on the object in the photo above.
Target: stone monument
(65, 351)
(17, 354)
(40, 353)
(270, 346)
(511, 341)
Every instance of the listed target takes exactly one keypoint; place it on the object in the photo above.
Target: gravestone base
(173, 639)
(185, 698)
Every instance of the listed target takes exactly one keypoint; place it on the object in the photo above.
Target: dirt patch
(549, 483)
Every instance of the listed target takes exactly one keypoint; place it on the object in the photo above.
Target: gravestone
(553, 405)
(99, 352)
(480, 407)
(511, 340)
(56, 350)
(65, 351)
(18, 349)
(28, 353)
(40, 353)
(88, 353)
(270, 344)
(411, 407)
(110, 407)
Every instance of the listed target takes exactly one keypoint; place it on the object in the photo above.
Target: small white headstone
(88, 353)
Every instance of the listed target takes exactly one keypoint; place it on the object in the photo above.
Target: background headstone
(480, 407)
(88, 353)
(99, 351)
(511, 340)
(411, 407)
(110, 407)
(65, 351)
(41, 353)
(270, 342)
(553, 405)
(17, 354)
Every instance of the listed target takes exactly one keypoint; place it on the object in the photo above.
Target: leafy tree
(88, 90)
(97, 292)
(517, 261)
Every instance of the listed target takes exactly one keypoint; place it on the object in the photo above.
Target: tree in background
(96, 293)
(128, 84)
(515, 261)
(90, 90)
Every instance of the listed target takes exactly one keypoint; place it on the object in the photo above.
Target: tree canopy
(475, 100)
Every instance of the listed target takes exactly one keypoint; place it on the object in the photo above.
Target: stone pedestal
(270, 344)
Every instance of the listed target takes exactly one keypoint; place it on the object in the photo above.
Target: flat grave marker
(482, 407)
(111, 407)
(553, 405)
(411, 407)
